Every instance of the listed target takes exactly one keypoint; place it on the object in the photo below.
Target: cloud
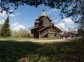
(68, 21)
(19, 27)
(12, 15)
(2, 21)
(62, 26)
(16, 26)
(52, 11)
(11, 10)
(4, 14)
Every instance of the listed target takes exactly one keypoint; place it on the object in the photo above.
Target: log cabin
(44, 27)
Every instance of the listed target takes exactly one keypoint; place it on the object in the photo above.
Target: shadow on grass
(16, 51)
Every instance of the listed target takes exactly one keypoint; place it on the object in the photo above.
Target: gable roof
(58, 29)
(43, 17)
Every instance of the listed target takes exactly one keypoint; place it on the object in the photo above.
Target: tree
(22, 33)
(1, 26)
(5, 30)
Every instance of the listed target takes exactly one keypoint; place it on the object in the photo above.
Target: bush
(22, 33)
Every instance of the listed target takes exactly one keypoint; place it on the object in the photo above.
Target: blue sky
(24, 17)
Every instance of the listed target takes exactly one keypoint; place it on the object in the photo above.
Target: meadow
(27, 51)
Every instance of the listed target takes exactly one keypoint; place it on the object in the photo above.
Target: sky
(24, 17)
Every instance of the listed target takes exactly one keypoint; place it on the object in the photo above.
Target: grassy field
(14, 51)
(13, 38)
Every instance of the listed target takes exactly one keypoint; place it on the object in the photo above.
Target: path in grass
(47, 40)
(42, 40)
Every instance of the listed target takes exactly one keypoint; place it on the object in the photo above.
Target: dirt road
(46, 40)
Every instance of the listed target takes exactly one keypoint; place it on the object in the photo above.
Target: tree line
(5, 31)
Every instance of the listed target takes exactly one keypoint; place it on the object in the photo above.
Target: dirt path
(38, 40)
(47, 40)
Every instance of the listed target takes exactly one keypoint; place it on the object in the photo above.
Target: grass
(23, 39)
(14, 51)
(13, 38)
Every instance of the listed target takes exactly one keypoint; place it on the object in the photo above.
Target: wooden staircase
(43, 33)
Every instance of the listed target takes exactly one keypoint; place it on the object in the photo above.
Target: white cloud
(52, 11)
(2, 21)
(3, 14)
(16, 26)
(68, 20)
(11, 10)
(62, 26)
(19, 27)
(12, 15)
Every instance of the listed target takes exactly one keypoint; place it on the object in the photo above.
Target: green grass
(13, 38)
(14, 51)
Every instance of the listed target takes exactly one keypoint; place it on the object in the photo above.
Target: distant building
(44, 27)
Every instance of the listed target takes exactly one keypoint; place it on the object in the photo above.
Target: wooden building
(44, 27)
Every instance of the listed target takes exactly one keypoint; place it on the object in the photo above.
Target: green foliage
(1, 26)
(22, 34)
(5, 30)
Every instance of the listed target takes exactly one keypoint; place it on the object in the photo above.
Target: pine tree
(5, 30)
